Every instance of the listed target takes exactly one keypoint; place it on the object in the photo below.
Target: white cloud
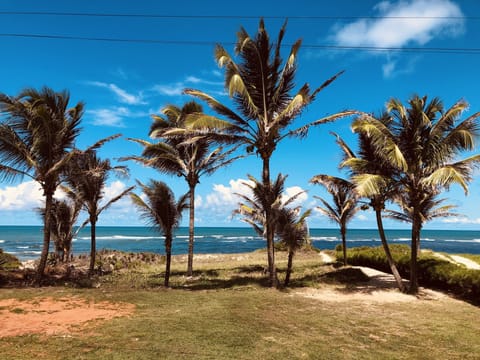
(114, 116)
(219, 204)
(122, 95)
(292, 191)
(176, 89)
(461, 220)
(400, 25)
(361, 217)
(223, 197)
(27, 196)
(170, 90)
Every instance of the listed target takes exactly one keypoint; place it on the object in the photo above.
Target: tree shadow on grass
(219, 283)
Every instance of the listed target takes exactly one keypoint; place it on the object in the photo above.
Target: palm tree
(366, 168)
(182, 155)
(86, 177)
(161, 210)
(36, 134)
(64, 216)
(285, 222)
(260, 84)
(421, 143)
(344, 205)
(293, 232)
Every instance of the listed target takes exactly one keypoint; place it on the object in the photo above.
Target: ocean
(25, 242)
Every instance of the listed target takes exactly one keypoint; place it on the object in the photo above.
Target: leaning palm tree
(36, 134)
(367, 169)
(422, 143)
(161, 210)
(344, 206)
(86, 179)
(182, 155)
(261, 85)
(285, 222)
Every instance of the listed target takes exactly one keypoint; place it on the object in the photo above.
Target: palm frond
(303, 131)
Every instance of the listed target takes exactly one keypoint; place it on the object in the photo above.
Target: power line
(164, 16)
(443, 50)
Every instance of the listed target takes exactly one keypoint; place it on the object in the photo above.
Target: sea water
(25, 242)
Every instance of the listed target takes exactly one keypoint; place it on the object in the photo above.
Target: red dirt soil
(50, 316)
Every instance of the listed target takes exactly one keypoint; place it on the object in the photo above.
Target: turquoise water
(26, 241)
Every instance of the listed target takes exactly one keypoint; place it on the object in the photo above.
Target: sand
(60, 317)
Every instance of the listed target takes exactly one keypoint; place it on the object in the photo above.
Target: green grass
(226, 312)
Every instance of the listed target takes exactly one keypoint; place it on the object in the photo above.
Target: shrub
(8, 261)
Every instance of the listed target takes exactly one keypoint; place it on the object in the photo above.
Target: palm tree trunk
(343, 231)
(391, 262)
(289, 268)
(93, 247)
(191, 231)
(269, 230)
(414, 255)
(168, 255)
(46, 236)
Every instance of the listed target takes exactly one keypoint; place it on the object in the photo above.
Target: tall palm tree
(86, 178)
(260, 84)
(422, 143)
(36, 134)
(161, 210)
(182, 155)
(344, 205)
(366, 168)
(286, 222)
(293, 232)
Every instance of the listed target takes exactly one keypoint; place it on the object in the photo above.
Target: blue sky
(123, 83)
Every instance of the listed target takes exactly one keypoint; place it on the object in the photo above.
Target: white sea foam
(2, 241)
(187, 236)
(464, 241)
(23, 247)
(239, 238)
(121, 237)
(325, 238)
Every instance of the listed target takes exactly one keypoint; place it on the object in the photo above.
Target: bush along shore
(75, 271)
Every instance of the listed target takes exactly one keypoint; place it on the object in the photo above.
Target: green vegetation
(260, 84)
(181, 154)
(344, 206)
(420, 145)
(432, 271)
(8, 261)
(37, 134)
(86, 176)
(227, 311)
(162, 211)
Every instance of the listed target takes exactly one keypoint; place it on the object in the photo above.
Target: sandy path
(470, 264)
(326, 258)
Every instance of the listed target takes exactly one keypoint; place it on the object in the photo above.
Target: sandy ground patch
(55, 316)
(381, 288)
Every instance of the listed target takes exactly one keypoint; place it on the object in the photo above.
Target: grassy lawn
(226, 312)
